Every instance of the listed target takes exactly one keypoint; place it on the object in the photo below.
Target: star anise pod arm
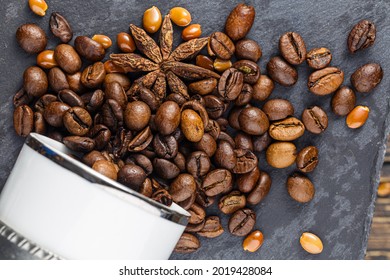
(166, 37)
(189, 50)
(133, 63)
(146, 44)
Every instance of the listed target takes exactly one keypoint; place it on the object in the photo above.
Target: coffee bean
(21, 98)
(115, 91)
(207, 144)
(300, 188)
(198, 164)
(367, 77)
(221, 45)
(361, 36)
(141, 140)
(132, 176)
(307, 159)
(92, 157)
(278, 109)
(54, 113)
(231, 202)
(217, 181)
(260, 190)
(39, 123)
(192, 125)
(195, 227)
(71, 98)
(203, 87)
(253, 241)
(246, 161)
(137, 115)
(79, 143)
(44, 101)
(165, 169)
(147, 96)
(95, 100)
(143, 161)
(222, 124)
(67, 58)
(225, 156)
(77, 121)
(165, 146)
(281, 154)
(230, 84)
(186, 204)
(146, 188)
(57, 79)
(357, 117)
(74, 81)
(112, 115)
(245, 95)
(205, 62)
(202, 199)
(60, 27)
(93, 75)
(292, 48)
(242, 222)
(243, 141)
(253, 121)
(315, 119)
(234, 114)
(35, 81)
(311, 243)
(263, 88)
(325, 81)
(281, 72)
(223, 136)
(187, 243)
(318, 58)
(120, 78)
(89, 49)
(197, 214)
(250, 70)
(23, 120)
(31, 38)
(240, 21)
(261, 142)
(286, 130)
(162, 196)
(248, 49)
(246, 182)
(212, 228)
(343, 101)
(105, 168)
(182, 187)
(214, 105)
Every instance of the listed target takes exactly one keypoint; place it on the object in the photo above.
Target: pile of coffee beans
(185, 129)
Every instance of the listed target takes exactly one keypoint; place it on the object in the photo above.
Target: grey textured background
(350, 160)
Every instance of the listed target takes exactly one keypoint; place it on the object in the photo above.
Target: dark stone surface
(350, 160)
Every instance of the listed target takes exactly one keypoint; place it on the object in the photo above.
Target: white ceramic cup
(57, 207)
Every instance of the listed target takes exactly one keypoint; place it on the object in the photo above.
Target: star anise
(163, 64)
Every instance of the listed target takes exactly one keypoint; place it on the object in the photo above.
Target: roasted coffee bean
(23, 120)
(180, 16)
(43, 101)
(361, 36)
(242, 222)
(315, 119)
(325, 81)
(38, 7)
(70, 97)
(165, 169)
(286, 130)
(125, 42)
(46, 59)
(223, 136)
(191, 32)
(192, 125)
(146, 188)
(263, 88)
(246, 182)
(57, 79)
(357, 117)
(105, 168)
(54, 113)
(260, 190)
(74, 81)
(31, 38)
(35, 81)
(245, 95)
(195, 227)
(253, 121)
(165, 146)
(384, 189)
(147, 96)
(79, 143)
(137, 115)
(180, 161)
(205, 62)
(248, 49)
(300, 188)
(281, 154)
(182, 187)
(39, 123)
(318, 58)
(225, 156)
(246, 161)
(177, 98)
(261, 142)
(343, 101)
(230, 84)
(253, 241)
(367, 77)
(203, 87)
(67, 58)
(115, 91)
(93, 76)
(120, 143)
(217, 181)
(112, 68)
(55, 135)
(187, 203)
(222, 124)
(199, 109)
(243, 141)
(231, 202)
(95, 101)
(311, 243)
(292, 47)
(152, 20)
(101, 134)
(221, 65)
(250, 70)
(89, 49)
(197, 214)
(212, 228)
(117, 77)
(307, 159)
(198, 98)
(21, 98)
(77, 121)
(112, 114)
(132, 176)
(143, 161)
(214, 105)
(167, 118)
(234, 115)
(162, 196)
(92, 157)
(60, 27)
(187, 243)
(207, 144)
(278, 109)
(141, 140)
(240, 21)
(281, 72)
(221, 45)
(202, 199)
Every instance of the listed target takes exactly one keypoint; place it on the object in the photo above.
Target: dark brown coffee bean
(260, 190)
(165, 169)
(197, 214)
(307, 159)
(60, 27)
(248, 49)
(123, 79)
(115, 91)
(39, 123)
(221, 45)
(300, 188)
(182, 187)
(143, 161)
(315, 119)
(67, 58)
(35, 81)
(198, 164)
(55, 135)
(21, 98)
(246, 182)
(212, 228)
(54, 113)
(23, 120)
(286, 130)
(230, 84)
(242, 222)
(195, 227)
(318, 58)
(222, 124)
(343, 101)
(250, 70)
(93, 156)
(74, 81)
(231, 202)
(141, 140)
(89, 49)
(180, 161)
(367, 77)
(325, 81)
(79, 143)
(201, 197)
(282, 72)
(132, 176)
(253, 121)
(146, 188)
(151, 99)
(207, 144)
(217, 181)
(176, 98)
(162, 196)
(77, 121)
(137, 115)
(187, 243)
(223, 136)
(281, 154)
(186, 204)
(225, 156)
(240, 21)
(71, 98)
(361, 36)
(106, 168)
(263, 88)
(243, 141)
(214, 105)
(167, 118)
(278, 109)
(261, 142)
(43, 101)
(203, 87)
(120, 143)
(94, 100)
(165, 146)
(245, 95)
(234, 114)
(112, 115)
(31, 38)
(292, 47)
(246, 161)
(57, 79)
(93, 75)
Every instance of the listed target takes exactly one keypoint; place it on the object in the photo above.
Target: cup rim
(42, 145)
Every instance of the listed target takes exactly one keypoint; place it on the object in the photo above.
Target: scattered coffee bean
(67, 58)
(180, 16)
(242, 222)
(152, 20)
(221, 45)
(292, 48)
(286, 130)
(300, 188)
(261, 142)
(250, 70)
(231, 202)
(253, 241)
(260, 190)
(311, 243)
(60, 27)
(125, 42)
(239, 21)
(230, 84)
(281, 154)
(23, 120)
(105, 168)
(89, 49)
(367, 77)
(93, 76)
(343, 101)
(315, 119)
(198, 164)
(137, 115)
(54, 113)
(204, 62)
(246, 161)
(191, 32)
(217, 181)
(307, 159)
(46, 59)
(357, 117)
(221, 65)
(361, 36)
(31, 38)
(131, 175)
(79, 143)
(192, 125)
(263, 88)
(325, 81)
(318, 58)
(212, 228)
(57, 79)
(278, 109)
(77, 121)
(187, 243)
(246, 182)
(253, 121)
(182, 187)
(35, 81)
(248, 49)
(281, 72)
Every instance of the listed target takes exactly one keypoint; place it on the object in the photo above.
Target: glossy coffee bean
(243, 141)
(23, 120)
(143, 161)
(54, 113)
(187, 243)
(198, 164)
(261, 142)
(240, 21)
(92, 157)
(325, 81)
(292, 48)
(105, 168)
(60, 27)
(246, 161)
(207, 144)
(74, 81)
(202, 199)
(152, 20)
(246, 182)
(31, 38)
(70, 97)
(282, 72)
(41, 104)
(93, 75)
(95, 100)
(203, 87)
(260, 189)
(197, 214)
(253, 121)
(358, 116)
(125, 42)
(248, 49)
(367, 77)
(224, 155)
(224, 136)
(311, 243)
(343, 101)
(231, 202)
(221, 45)
(141, 140)
(167, 117)
(38, 7)
(195, 227)
(361, 36)
(77, 121)
(112, 114)
(137, 115)
(46, 59)
(120, 78)
(146, 189)
(191, 32)
(307, 159)
(132, 176)
(221, 65)
(79, 143)
(242, 222)
(278, 109)
(67, 58)
(253, 241)
(281, 154)
(21, 98)
(204, 62)
(165, 168)
(40, 126)
(318, 58)
(315, 119)
(182, 187)
(214, 105)
(263, 88)
(89, 49)
(300, 188)
(57, 79)
(217, 181)
(212, 227)
(180, 16)
(35, 81)
(245, 95)
(115, 91)
(250, 70)
(230, 84)
(192, 125)
(165, 146)
(233, 117)
(288, 129)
